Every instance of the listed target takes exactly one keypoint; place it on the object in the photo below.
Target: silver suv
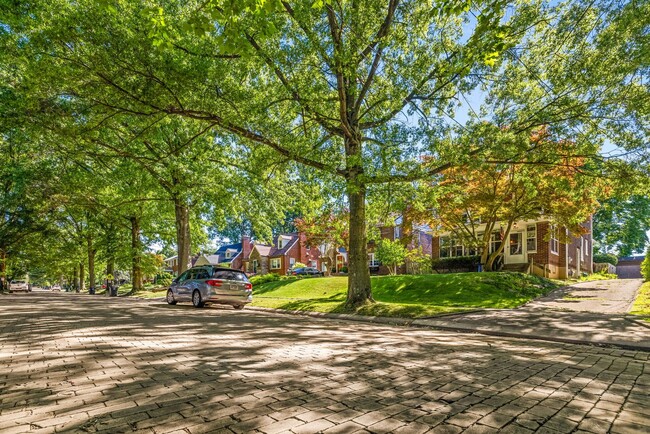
(207, 284)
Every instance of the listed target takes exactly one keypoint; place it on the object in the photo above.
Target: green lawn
(406, 296)
(642, 303)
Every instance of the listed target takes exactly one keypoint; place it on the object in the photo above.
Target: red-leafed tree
(328, 231)
(473, 201)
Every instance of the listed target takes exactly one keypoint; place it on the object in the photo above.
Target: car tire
(170, 297)
(196, 299)
(239, 306)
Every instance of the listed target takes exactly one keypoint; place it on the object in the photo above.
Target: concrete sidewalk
(623, 331)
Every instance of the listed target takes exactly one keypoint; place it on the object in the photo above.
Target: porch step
(522, 268)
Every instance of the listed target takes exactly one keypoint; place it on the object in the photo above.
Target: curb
(422, 323)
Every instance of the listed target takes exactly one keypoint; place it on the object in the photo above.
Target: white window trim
(397, 233)
(534, 226)
(228, 255)
(556, 252)
(275, 261)
(292, 261)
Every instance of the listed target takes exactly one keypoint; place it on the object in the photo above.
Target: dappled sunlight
(119, 365)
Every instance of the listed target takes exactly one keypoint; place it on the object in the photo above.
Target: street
(79, 363)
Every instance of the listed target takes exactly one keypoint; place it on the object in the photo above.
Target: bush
(298, 265)
(164, 279)
(344, 269)
(602, 258)
(457, 264)
(645, 266)
(264, 278)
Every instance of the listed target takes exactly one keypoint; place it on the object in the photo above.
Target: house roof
(273, 251)
(263, 249)
(237, 247)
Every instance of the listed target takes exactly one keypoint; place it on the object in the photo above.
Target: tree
(359, 90)
(329, 231)
(645, 266)
(472, 202)
(391, 253)
(621, 224)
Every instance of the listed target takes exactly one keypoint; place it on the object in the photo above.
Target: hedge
(456, 264)
(601, 258)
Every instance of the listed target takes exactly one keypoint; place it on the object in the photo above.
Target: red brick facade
(560, 264)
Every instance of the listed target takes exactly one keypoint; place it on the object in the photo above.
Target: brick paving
(72, 363)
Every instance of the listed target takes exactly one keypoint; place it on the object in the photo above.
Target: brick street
(76, 363)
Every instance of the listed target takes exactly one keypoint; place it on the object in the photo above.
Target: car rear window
(230, 275)
(20, 282)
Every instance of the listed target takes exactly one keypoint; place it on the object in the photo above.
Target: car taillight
(248, 286)
(213, 282)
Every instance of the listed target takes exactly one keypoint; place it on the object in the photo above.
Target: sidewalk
(623, 331)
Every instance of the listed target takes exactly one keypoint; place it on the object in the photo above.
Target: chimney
(246, 246)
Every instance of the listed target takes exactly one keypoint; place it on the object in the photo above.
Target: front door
(515, 253)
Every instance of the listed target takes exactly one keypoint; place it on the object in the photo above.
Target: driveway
(600, 296)
(589, 312)
(75, 363)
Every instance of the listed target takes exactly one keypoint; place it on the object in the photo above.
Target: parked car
(209, 284)
(19, 285)
(56, 288)
(307, 271)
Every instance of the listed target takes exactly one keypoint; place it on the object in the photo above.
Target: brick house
(418, 237)
(415, 237)
(286, 250)
(532, 246)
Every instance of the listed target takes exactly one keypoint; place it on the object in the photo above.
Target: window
(516, 243)
(450, 247)
(228, 255)
(583, 244)
(531, 238)
(254, 265)
(555, 244)
(444, 247)
(585, 247)
(275, 263)
(292, 262)
(397, 233)
(202, 274)
(313, 263)
(372, 262)
(495, 241)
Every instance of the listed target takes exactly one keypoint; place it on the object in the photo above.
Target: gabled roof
(237, 247)
(273, 251)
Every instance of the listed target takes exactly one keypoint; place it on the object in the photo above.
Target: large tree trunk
(75, 279)
(82, 277)
(91, 263)
(3, 270)
(182, 233)
(359, 291)
(110, 259)
(136, 269)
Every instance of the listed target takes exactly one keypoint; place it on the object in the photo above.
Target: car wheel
(239, 306)
(170, 297)
(196, 299)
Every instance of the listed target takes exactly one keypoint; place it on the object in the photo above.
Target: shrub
(391, 253)
(298, 265)
(264, 278)
(645, 266)
(164, 279)
(609, 258)
(344, 269)
(457, 264)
